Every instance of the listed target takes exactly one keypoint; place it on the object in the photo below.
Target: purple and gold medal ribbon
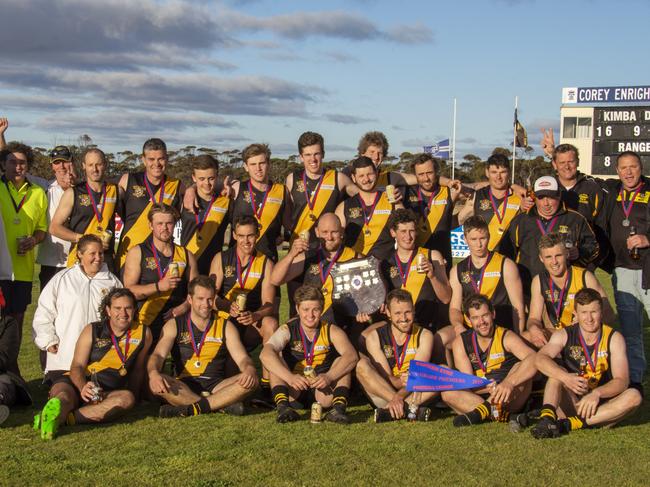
(399, 358)
(259, 209)
(311, 200)
(477, 286)
(429, 200)
(116, 345)
(328, 268)
(404, 273)
(477, 351)
(201, 219)
(558, 307)
(18, 206)
(161, 272)
(197, 350)
(496, 208)
(592, 361)
(627, 210)
(97, 208)
(309, 354)
(152, 195)
(546, 228)
(367, 215)
(242, 279)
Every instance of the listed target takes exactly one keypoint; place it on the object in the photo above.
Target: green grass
(219, 450)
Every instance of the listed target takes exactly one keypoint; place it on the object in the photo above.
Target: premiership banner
(440, 150)
(428, 377)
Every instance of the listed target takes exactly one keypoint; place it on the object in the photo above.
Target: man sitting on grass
(588, 375)
(310, 360)
(200, 343)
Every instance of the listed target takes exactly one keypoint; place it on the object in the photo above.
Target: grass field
(219, 450)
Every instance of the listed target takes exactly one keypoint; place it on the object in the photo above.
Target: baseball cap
(546, 186)
(60, 153)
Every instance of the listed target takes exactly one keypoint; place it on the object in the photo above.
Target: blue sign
(459, 247)
(606, 94)
(428, 377)
(440, 150)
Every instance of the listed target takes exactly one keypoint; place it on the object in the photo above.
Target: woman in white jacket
(68, 303)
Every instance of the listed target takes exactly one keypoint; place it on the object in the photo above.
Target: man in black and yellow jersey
(313, 267)
(383, 373)
(588, 375)
(433, 204)
(107, 368)
(139, 191)
(157, 271)
(200, 343)
(553, 291)
(418, 270)
(88, 208)
(492, 352)
(497, 203)
(310, 360)
(365, 215)
(488, 273)
(260, 197)
(203, 230)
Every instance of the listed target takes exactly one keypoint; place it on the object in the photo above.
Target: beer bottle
(634, 252)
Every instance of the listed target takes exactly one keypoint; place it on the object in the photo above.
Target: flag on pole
(439, 150)
(521, 138)
(428, 377)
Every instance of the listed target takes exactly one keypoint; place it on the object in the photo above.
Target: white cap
(546, 186)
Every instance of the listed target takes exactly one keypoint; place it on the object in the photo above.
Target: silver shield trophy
(358, 287)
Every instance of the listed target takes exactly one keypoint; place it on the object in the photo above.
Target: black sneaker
(336, 415)
(236, 409)
(169, 411)
(286, 414)
(546, 428)
(518, 422)
(382, 415)
(462, 420)
(423, 414)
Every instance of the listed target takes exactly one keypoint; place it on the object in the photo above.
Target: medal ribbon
(18, 206)
(368, 215)
(430, 199)
(477, 285)
(477, 351)
(399, 359)
(628, 209)
(591, 360)
(558, 307)
(152, 195)
(496, 208)
(546, 228)
(197, 350)
(240, 280)
(201, 219)
(258, 213)
(97, 208)
(311, 200)
(328, 268)
(116, 345)
(161, 273)
(309, 354)
(404, 274)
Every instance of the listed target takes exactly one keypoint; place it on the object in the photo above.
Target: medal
(311, 200)
(199, 238)
(258, 209)
(626, 223)
(560, 304)
(627, 210)
(324, 291)
(427, 205)
(197, 349)
(477, 286)
(97, 208)
(312, 217)
(152, 196)
(161, 273)
(16, 221)
(197, 364)
(201, 219)
(241, 280)
(122, 356)
(367, 232)
(308, 352)
(368, 211)
(324, 271)
(122, 371)
(495, 208)
(477, 352)
(592, 359)
(399, 358)
(100, 229)
(18, 206)
(308, 371)
(500, 231)
(404, 273)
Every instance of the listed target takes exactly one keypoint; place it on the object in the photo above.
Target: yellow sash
(216, 213)
(496, 355)
(272, 207)
(321, 350)
(491, 278)
(415, 280)
(576, 284)
(154, 304)
(429, 224)
(328, 186)
(602, 360)
(512, 210)
(213, 343)
(411, 350)
(108, 213)
(111, 360)
(378, 222)
(140, 231)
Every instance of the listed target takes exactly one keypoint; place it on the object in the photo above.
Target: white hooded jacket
(66, 305)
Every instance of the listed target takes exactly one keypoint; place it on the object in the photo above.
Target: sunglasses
(60, 153)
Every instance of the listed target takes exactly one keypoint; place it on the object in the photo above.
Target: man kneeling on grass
(107, 368)
(384, 372)
(589, 379)
(310, 360)
(200, 343)
(496, 353)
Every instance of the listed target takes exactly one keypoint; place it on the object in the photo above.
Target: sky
(224, 74)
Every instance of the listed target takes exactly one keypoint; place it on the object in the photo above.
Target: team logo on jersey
(465, 277)
(296, 346)
(575, 352)
(388, 351)
(394, 272)
(583, 198)
(102, 342)
(104, 291)
(354, 212)
(413, 199)
(484, 205)
(554, 297)
(313, 269)
(563, 229)
(228, 271)
(84, 200)
(139, 191)
(150, 263)
(300, 187)
(473, 359)
(184, 338)
(247, 196)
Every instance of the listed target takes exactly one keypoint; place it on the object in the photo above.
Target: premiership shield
(358, 287)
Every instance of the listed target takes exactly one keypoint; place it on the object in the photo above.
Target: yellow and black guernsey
(487, 280)
(209, 364)
(92, 213)
(399, 356)
(153, 267)
(579, 358)
(429, 311)
(366, 225)
(559, 300)
(320, 351)
(497, 212)
(136, 201)
(242, 277)
(311, 198)
(495, 361)
(105, 360)
(435, 214)
(317, 274)
(203, 233)
(268, 208)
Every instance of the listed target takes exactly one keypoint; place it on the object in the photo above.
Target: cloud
(339, 57)
(410, 34)
(346, 119)
(35, 102)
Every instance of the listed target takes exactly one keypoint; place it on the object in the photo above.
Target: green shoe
(50, 418)
(37, 422)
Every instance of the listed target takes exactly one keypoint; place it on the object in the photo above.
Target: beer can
(305, 236)
(316, 415)
(241, 301)
(309, 372)
(19, 241)
(421, 263)
(390, 193)
(173, 269)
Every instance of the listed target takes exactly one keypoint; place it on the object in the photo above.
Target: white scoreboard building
(602, 122)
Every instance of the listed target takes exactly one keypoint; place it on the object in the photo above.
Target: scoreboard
(619, 129)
